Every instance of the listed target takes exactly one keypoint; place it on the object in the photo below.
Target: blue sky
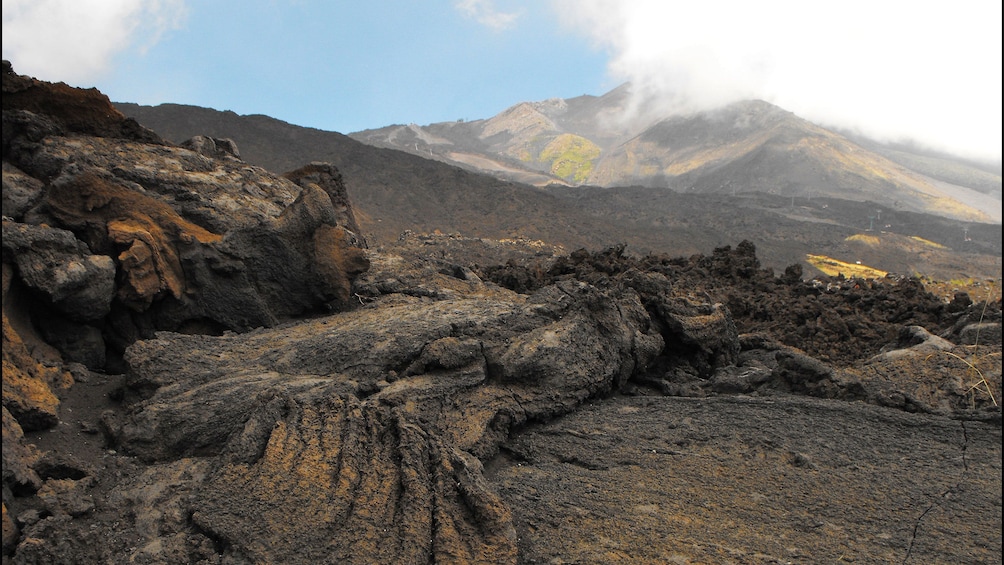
(892, 69)
(346, 65)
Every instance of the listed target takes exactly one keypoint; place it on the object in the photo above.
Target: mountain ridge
(708, 151)
(394, 191)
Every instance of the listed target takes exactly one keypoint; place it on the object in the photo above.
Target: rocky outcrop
(34, 109)
(382, 414)
(111, 234)
(112, 228)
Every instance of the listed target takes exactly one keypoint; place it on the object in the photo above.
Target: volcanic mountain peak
(522, 122)
(747, 146)
(749, 190)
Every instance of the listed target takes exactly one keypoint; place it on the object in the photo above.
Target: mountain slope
(393, 191)
(749, 146)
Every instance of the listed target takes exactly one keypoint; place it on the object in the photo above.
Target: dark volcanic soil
(753, 480)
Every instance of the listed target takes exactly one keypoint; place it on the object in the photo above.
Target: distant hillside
(749, 146)
(394, 191)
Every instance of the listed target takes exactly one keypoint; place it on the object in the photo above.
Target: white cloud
(485, 13)
(77, 40)
(925, 71)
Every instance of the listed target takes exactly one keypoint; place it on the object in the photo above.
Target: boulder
(329, 179)
(212, 147)
(981, 334)
(20, 192)
(54, 263)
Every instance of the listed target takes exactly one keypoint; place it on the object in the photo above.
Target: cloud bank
(897, 71)
(77, 40)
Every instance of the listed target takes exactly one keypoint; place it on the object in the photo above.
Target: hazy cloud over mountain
(888, 69)
(892, 69)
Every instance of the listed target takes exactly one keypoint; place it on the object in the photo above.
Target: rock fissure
(916, 529)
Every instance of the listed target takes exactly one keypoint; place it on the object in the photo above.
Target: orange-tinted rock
(75, 109)
(18, 457)
(28, 386)
(338, 261)
(10, 531)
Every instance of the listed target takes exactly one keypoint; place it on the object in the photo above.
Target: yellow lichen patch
(872, 240)
(928, 242)
(28, 385)
(834, 267)
(571, 156)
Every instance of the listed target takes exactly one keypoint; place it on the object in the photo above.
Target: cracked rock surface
(753, 480)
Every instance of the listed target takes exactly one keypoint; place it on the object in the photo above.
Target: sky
(926, 72)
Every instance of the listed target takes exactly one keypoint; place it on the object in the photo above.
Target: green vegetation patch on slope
(571, 157)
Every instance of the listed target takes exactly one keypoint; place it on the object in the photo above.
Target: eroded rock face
(111, 234)
(115, 228)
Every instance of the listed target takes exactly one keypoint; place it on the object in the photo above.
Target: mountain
(394, 191)
(748, 146)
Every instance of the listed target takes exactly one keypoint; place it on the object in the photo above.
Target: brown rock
(18, 457)
(327, 177)
(10, 531)
(73, 109)
(28, 386)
